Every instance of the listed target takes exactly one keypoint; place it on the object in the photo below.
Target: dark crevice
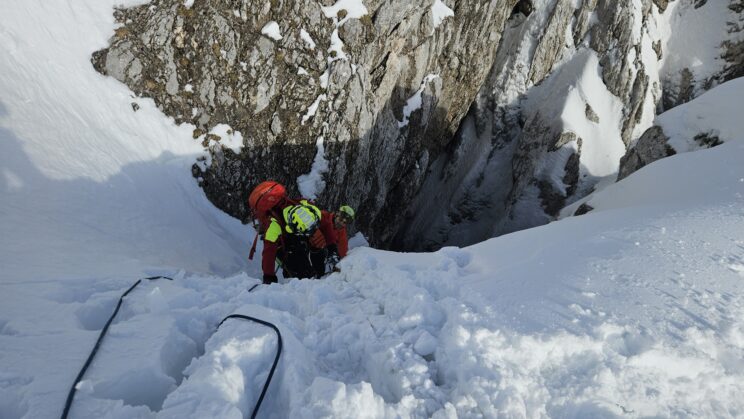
(524, 7)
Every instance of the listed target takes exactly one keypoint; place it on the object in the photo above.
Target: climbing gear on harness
(253, 248)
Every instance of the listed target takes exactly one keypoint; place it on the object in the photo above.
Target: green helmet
(347, 211)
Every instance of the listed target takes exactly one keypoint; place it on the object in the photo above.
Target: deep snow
(635, 309)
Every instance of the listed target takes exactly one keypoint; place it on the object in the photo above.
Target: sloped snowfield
(635, 309)
(620, 318)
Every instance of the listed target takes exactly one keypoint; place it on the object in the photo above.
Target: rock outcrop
(653, 145)
(694, 69)
(444, 122)
(525, 150)
(683, 84)
(519, 160)
(384, 84)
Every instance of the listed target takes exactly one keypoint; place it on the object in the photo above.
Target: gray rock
(685, 85)
(653, 145)
(471, 163)
(583, 209)
(590, 114)
(251, 83)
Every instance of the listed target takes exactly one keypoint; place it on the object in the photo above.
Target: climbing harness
(73, 389)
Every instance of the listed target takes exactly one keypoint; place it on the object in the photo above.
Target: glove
(317, 241)
(270, 279)
(332, 258)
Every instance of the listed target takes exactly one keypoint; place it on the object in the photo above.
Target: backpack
(302, 219)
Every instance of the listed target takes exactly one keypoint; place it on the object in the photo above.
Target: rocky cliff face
(684, 80)
(381, 85)
(444, 122)
(569, 85)
(573, 85)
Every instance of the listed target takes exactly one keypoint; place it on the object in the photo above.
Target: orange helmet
(266, 196)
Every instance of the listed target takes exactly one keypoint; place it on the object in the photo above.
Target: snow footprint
(94, 314)
(738, 268)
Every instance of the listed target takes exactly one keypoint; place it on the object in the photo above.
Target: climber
(294, 233)
(341, 218)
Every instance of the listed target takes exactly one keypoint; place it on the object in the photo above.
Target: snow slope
(89, 186)
(635, 309)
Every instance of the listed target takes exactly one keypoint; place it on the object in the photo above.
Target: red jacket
(342, 238)
(343, 242)
(271, 247)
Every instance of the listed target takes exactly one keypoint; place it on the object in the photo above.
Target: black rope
(276, 358)
(73, 389)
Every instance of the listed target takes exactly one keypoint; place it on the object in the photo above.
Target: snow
(229, 138)
(82, 162)
(698, 50)
(716, 112)
(414, 102)
(323, 79)
(312, 184)
(566, 93)
(439, 12)
(635, 309)
(188, 3)
(272, 30)
(354, 9)
(337, 47)
(313, 108)
(652, 68)
(358, 240)
(307, 38)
